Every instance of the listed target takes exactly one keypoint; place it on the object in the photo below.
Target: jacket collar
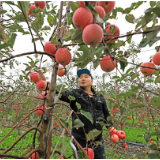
(82, 89)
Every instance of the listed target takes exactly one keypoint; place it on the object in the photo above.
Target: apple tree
(74, 35)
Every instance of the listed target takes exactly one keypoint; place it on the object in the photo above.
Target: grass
(25, 143)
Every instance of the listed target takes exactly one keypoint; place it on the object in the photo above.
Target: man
(90, 102)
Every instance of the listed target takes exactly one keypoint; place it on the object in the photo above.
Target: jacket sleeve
(64, 96)
(106, 114)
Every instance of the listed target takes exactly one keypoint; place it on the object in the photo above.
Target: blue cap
(81, 71)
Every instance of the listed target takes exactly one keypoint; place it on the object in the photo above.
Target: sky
(23, 43)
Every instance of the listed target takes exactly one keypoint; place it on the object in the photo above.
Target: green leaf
(157, 80)
(119, 9)
(149, 80)
(127, 10)
(155, 101)
(76, 34)
(134, 76)
(158, 4)
(51, 20)
(136, 105)
(135, 88)
(35, 11)
(3, 11)
(67, 35)
(156, 11)
(78, 123)
(123, 65)
(74, 5)
(46, 28)
(25, 6)
(38, 22)
(130, 18)
(115, 77)
(71, 98)
(4, 35)
(152, 3)
(93, 134)
(154, 155)
(55, 41)
(87, 115)
(21, 77)
(156, 73)
(78, 105)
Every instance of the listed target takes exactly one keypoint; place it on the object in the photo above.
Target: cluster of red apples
(155, 61)
(92, 33)
(41, 85)
(40, 4)
(117, 135)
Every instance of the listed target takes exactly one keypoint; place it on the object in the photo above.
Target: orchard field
(66, 36)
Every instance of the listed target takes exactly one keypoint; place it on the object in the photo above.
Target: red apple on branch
(112, 131)
(63, 56)
(34, 77)
(156, 58)
(107, 64)
(89, 152)
(32, 6)
(114, 138)
(101, 11)
(113, 31)
(92, 34)
(82, 17)
(35, 155)
(40, 4)
(61, 71)
(41, 85)
(147, 71)
(107, 5)
(40, 112)
(121, 134)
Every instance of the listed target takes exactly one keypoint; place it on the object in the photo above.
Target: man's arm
(64, 96)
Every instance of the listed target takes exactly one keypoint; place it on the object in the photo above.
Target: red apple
(41, 85)
(90, 152)
(92, 34)
(112, 131)
(40, 112)
(107, 64)
(147, 71)
(114, 138)
(63, 56)
(61, 71)
(40, 4)
(82, 17)
(156, 58)
(113, 31)
(31, 8)
(107, 5)
(34, 77)
(101, 11)
(151, 142)
(50, 48)
(121, 134)
(35, 155)
(81, 3)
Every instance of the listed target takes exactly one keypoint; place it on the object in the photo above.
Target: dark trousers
(99, 152)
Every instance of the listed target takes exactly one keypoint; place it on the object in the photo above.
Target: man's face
(85, 80)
